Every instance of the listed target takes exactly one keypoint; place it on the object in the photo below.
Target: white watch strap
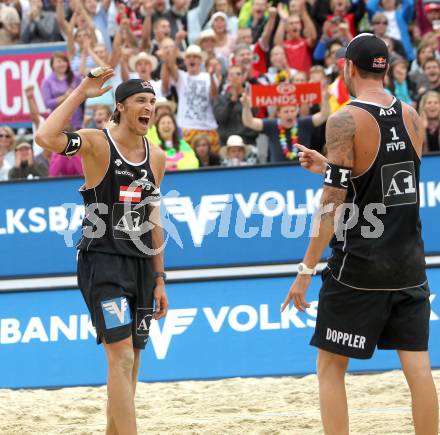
(303, 269)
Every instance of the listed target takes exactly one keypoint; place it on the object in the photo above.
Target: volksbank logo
(116, 312)
(202, 323)
(209, 209)
(201, 216)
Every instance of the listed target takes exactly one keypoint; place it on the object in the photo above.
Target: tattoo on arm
(329, 212)
(339, 134)
(339, 137)
(332, 198)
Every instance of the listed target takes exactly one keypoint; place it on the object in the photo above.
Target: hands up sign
(285, 94)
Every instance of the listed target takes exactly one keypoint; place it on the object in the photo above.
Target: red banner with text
(285, 94)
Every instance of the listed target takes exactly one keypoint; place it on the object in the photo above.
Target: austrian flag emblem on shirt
(130, 194)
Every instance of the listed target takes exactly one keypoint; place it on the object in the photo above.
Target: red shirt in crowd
(298, 54)
(259, 63)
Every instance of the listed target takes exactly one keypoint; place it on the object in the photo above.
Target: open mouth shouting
(143, 120)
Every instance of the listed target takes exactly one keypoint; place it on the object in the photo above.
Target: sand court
(379, 404)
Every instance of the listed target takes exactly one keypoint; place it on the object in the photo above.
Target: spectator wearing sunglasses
(399, 16)
(7, 144)
(379, 26)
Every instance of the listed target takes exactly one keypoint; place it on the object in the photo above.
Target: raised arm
(322, 116)
(309, 29)
(61, 16)
(168, 70)
(83, 63)
(246, 115)
(281, 29)
(268, 29)
(71, 50)
(80, 9)
(33, 109)
(147, 11)
(105, 4)
(50, 135)
(115, 57)
(340, 145)
(125, 70)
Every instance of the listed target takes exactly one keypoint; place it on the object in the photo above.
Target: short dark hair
(116, 116)
(159, 20)
(371, 75)
(431, 59)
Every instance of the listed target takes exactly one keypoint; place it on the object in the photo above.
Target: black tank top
(395, 260)
(117, 210)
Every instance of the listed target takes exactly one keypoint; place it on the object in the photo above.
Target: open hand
(180, 36)
(283, 14)
(297, 293)
(93, 87)
(160, 302)
(246, 98)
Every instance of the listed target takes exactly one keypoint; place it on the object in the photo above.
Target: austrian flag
(130, 194)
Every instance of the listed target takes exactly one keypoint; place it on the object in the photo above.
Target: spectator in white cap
(141, 66)
(207, 42)
(224, 41)
(236, 153)
(195, 90)
(227, 7)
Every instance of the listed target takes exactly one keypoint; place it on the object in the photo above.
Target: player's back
(380, 246)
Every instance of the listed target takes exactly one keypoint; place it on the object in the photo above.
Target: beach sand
(379, 404)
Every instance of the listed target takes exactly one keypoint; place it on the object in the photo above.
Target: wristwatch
(304, 270)
(160, 275)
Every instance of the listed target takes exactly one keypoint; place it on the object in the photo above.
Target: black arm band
(337, 176)
(74, 143)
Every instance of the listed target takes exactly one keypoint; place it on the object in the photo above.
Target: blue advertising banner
(221, 217)
(214, 329)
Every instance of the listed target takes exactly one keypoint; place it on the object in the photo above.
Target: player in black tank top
(126, 194)
(120, 260)
(374, 291)
(365, 261)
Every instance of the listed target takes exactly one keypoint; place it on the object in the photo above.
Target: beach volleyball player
(120, 264)
(374, 291)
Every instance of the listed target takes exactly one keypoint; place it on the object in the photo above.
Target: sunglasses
(380, 22)
(8, 136)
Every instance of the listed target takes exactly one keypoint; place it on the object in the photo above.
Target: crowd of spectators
(202, 56)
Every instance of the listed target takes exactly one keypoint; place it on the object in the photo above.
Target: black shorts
(118, 291)
(353, 322)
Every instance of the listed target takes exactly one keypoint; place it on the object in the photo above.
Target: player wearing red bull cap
(375, 291)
